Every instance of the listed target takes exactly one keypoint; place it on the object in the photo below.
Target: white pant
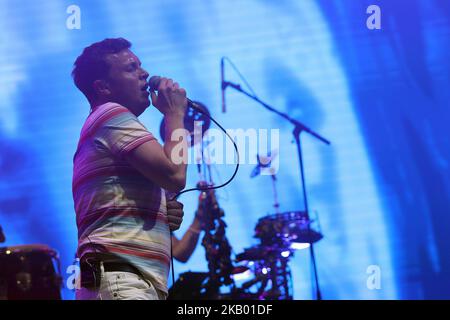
(120, 286)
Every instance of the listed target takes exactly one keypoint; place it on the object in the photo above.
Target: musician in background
(183, 248)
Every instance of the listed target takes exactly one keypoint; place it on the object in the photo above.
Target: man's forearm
(184, 248)
(175, 146)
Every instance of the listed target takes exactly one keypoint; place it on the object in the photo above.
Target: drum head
(284, 228)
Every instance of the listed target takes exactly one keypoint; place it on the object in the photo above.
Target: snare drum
(284, 228)
(29, 272)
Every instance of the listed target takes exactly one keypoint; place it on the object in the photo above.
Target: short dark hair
(91, 65)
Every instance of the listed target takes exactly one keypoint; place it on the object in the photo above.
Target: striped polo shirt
(119, 212)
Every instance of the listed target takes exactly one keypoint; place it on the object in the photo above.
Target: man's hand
(171, 99)
(174, 214)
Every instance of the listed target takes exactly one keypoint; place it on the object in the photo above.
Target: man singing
(120, 176)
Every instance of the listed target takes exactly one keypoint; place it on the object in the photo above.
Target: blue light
(380, 96)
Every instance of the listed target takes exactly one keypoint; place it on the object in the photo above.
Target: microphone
(153, 84)
(223, 86)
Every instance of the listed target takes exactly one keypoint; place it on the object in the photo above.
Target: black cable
(240, 75)
(203, 189)
(171, 259)
(223, 184)
(92, 267)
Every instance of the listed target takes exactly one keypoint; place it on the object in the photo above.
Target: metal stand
(298, 128)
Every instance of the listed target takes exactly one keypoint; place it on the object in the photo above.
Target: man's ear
(101, 88)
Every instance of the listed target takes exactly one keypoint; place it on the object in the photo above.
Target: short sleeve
(123, 132)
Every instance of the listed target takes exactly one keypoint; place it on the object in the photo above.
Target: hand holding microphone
(171, 99)
(154, 84)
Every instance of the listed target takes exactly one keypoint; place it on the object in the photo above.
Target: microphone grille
(153, 83)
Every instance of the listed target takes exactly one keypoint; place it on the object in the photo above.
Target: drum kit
(29, 272)
(280, 235)
(265, 266)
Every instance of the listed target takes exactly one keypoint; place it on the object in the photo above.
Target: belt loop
(102, 275)
(102, 270)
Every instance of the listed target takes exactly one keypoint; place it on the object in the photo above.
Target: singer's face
(127, 81)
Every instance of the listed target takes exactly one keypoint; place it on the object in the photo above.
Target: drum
(282, 229)
(189, 286)
(29, 272)
(259, 253)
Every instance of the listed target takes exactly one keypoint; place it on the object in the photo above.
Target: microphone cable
(205, 188)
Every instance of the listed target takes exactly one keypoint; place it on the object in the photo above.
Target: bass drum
(30, 272)
(188, 286)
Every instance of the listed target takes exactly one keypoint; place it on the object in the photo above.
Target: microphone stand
(298, 129)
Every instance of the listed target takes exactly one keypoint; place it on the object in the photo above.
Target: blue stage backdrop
(381, 190)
